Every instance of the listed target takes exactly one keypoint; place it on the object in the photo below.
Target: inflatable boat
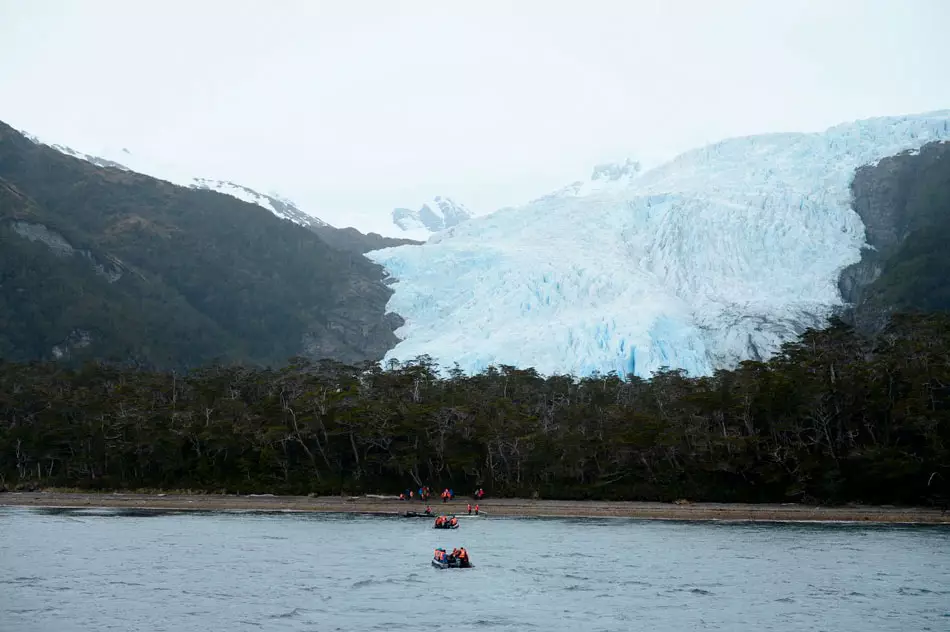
(452, 564)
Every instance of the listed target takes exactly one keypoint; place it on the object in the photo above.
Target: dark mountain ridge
(99, 262)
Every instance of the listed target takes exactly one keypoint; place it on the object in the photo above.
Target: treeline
(834, 418)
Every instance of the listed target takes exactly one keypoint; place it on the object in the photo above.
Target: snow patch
(281, 207)
(77, 339)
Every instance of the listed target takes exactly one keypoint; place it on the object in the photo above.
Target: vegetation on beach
(835, 417)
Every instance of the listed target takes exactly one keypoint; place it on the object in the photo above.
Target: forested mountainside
(904, 202)
(110, 264)
(835, 417)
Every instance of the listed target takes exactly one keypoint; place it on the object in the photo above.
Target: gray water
(63, 570)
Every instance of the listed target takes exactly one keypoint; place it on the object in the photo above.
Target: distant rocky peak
(606, 176)
(437, 214)
(616, 170)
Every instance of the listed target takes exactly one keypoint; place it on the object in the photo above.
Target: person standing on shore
(470, 509)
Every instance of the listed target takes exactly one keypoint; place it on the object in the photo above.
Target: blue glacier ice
(720, 255)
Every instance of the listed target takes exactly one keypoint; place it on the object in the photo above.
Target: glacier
(719, 255)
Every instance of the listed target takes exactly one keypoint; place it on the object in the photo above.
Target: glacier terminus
(719, 255)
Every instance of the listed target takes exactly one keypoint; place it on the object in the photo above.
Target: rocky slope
(904, 202)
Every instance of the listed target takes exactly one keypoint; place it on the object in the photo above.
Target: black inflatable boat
(451, 563)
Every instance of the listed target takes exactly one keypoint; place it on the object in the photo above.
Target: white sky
(354, 107)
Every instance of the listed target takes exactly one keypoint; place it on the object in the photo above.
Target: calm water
(63, 570)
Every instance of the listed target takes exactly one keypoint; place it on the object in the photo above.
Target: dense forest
(835, 417)
(101, 263)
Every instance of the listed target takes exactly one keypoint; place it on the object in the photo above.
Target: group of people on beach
(423, 493)
(471, 510)
(447, 494)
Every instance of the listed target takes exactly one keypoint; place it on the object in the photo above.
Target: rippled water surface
(64, 570)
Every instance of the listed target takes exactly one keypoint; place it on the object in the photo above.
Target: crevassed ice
(719, 255)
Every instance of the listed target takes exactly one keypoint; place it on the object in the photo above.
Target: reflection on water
(144, 569)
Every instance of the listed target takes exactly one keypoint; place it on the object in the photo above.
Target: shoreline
(492, 507)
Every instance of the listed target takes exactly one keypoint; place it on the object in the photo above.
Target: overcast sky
(352, 107)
